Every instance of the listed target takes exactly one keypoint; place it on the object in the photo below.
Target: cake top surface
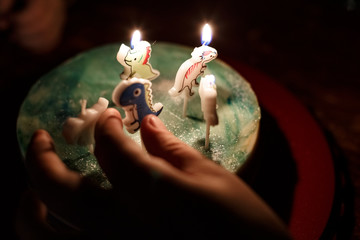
(95, 73)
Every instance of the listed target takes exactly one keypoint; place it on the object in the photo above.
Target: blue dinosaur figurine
(135, 97)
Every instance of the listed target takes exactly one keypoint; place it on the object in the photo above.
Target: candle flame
(135, 38)
(206, 35)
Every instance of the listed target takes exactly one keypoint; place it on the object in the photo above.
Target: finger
(45, 168)
(70, 197)
(160, 142)
(118, 155)
(123, 160)
(51, 179)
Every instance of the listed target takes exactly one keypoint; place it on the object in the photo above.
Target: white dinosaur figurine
(191, 69)
(136, 61)
(80, 130)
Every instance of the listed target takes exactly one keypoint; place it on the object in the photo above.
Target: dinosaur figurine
(80, 130)
(191, 69)
(136, 61)
(135, 97)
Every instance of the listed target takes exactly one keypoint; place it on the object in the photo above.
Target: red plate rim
(315, 187)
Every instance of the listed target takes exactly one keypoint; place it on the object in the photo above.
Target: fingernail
(109, 123)
(41, 141)
(43, 137)
(108, 116)
(155, 122)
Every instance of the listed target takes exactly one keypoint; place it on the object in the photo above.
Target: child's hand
(170, 192)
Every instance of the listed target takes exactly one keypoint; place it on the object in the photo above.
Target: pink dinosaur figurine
(191, 69)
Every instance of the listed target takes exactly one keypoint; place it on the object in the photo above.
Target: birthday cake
(60, 94)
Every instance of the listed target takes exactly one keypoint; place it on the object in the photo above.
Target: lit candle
(80, 130)
(208, 93)
(135, 97)
(136, 61)
(192, 68)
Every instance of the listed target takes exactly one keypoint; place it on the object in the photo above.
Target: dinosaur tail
(173, 92)
(158, 107)
(158, 112)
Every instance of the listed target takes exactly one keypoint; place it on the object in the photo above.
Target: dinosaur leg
(193, 83)
(137, 128)
(190, 91)
(196, 83)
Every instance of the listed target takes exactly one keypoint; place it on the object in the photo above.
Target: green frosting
(93, 74)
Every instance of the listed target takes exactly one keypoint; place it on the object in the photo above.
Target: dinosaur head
(139, 55)
(133, 91)
(204, 54)
(132, 94)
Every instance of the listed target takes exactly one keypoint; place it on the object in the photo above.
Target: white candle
(208, 94)
(80, 130)
(194, 67)
(136, 61)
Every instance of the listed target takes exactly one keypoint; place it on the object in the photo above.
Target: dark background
(310, 47)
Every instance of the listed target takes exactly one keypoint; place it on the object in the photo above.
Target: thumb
(162, 143)
(116, 152)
